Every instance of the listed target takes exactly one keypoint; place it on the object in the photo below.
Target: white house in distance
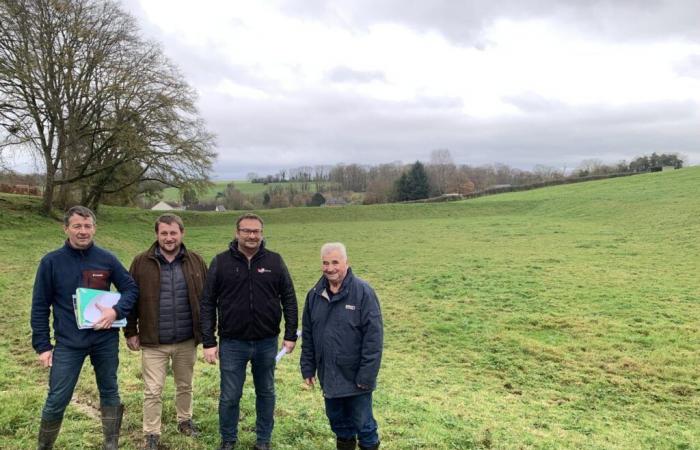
(165, 206)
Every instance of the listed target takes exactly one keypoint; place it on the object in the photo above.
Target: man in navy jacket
(342, 340)
(79, 263)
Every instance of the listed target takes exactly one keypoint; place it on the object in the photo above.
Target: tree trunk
(47, 203)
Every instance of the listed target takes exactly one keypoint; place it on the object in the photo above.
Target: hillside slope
(565, 317)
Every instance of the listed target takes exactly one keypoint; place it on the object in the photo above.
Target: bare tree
(101, 108)
(547, 173)
(440, 170)
(381, 180)
(320, 176)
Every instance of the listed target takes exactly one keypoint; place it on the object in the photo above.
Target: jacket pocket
(96, 279)
(348, 366)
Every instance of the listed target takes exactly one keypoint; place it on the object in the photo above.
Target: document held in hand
(86, 313)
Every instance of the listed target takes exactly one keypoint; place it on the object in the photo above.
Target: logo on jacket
(350, 307)
(264, 270)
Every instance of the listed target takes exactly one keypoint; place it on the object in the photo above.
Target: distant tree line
(396, 182)
(645, 163)
(400, 182)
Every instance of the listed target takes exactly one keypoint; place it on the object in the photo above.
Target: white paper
(283, 351)
(108, 299)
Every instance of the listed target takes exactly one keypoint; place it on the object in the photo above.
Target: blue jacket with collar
(60, 273)
(342, 337)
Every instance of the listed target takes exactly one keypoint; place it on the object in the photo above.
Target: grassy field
(246, 187)
(565, 317)
(173, 194)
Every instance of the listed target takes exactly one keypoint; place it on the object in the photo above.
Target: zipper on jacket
(174, 298)
(250, 286)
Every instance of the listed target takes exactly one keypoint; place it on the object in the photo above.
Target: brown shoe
(188, 428)
(151, 442)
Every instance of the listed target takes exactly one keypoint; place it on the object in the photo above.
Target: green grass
(564, 317)
(246, 187)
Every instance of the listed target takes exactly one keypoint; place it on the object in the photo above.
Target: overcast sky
(285, 84)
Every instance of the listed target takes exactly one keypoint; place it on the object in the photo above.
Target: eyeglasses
(248, 231)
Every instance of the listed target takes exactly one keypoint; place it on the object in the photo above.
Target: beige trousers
(154, 366)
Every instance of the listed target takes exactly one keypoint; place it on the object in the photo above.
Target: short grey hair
(81, 211)
(331, 246)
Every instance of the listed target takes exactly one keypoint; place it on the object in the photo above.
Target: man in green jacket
(164, 325)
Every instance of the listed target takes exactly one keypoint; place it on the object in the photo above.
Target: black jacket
(248, 297)
(342, 337)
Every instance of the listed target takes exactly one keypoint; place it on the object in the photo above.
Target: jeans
(66, 367)
(352, 417)
(233, 359)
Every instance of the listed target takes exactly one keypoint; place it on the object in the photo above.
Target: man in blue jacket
(79, 263)
(342, 340)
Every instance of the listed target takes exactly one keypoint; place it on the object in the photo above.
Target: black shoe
(151, 442)
(188, 428)
(371, 447)
(262, 446)
(227, 445)
(345, 444)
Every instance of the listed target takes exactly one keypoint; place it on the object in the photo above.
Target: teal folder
(86, 313)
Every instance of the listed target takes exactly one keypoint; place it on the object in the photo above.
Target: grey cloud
(464, 22)
(344, 74)
(324, 126)
(204, 65)
(318, 128)
(690, 67)
(531, 102)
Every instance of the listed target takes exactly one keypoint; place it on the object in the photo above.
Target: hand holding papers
(283, 351)
(85, 303)
(280, 354)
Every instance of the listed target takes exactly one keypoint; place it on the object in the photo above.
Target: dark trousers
(233, 359)
(65, 370)
(352, 417)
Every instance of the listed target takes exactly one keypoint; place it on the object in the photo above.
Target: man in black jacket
(248, 288)
(342, 342)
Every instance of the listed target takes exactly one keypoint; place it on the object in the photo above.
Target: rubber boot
(111, 424)
(48, 432)
(372, 447)
(345, 444)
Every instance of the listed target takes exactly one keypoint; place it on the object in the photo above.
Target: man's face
(170, 237)
(334, 266)
(80, 231)
(249, 234)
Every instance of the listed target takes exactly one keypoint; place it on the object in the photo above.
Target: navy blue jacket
(342, 337)
(59, 274)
